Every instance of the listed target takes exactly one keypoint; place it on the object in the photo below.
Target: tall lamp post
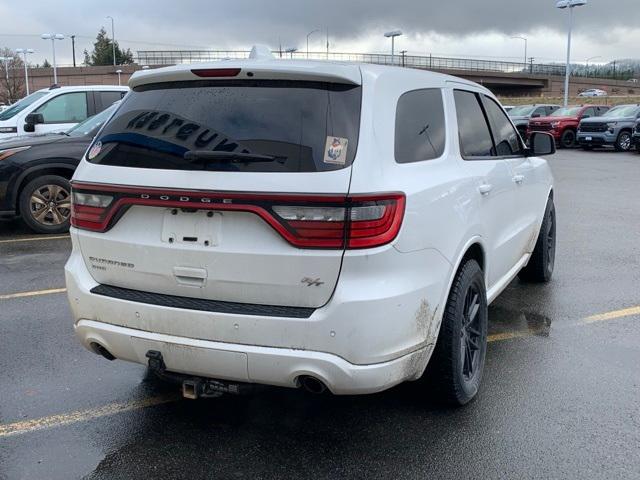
(53, 37)
(308, 35)
(24, 52)
(525, 48)
(392, 35)
(113, 39)
(589, 59)
(570, 4)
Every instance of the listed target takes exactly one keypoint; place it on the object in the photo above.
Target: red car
(563, 123)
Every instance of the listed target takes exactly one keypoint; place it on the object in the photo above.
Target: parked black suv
(35, 173)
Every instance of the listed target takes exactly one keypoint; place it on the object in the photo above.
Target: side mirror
(32, 120)
(536, 115)
(541, 144)
(586, 116)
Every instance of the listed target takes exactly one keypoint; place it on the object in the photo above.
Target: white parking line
(27, 426)
(34, 239)
(34, 293)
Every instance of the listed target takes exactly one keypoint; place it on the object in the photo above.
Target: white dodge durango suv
(305, 224)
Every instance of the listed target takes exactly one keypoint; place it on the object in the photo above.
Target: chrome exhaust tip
(312, 384)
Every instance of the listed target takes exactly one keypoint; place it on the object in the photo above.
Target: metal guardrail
(172, 57)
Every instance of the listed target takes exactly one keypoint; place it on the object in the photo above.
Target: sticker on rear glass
(94, 151)
(335, 150)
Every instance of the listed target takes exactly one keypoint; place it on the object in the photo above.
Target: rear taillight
(305, 221)
(89, 210)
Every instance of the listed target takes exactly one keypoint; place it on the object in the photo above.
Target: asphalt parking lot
(560, 396)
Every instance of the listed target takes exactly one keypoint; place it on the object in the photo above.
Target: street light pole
(392, 35)
(308, 35)
(113, 39)
(53, 37)
(570, 4)
(525, 49)
(589, 59)
(403, 53)
(24, 52)
(73, 49)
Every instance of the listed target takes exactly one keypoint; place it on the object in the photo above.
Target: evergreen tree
(102, 53)
(46, 64)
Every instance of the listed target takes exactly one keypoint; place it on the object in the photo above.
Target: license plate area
(588, 139)
(191, 227)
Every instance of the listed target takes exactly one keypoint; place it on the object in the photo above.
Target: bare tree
(12, 86)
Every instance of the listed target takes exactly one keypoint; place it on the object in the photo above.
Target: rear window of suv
(249, 125)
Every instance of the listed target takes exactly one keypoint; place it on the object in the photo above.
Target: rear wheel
(623, 143)
(542, 261)
(455, 370)
(45, 204)
(568, 139)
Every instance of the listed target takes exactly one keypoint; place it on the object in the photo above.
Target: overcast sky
(475, 28)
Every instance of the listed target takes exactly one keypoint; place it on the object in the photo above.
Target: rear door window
(507, 140)
(106, 99)
(473, 130)
(250, 125)
(420, 126)
(65, 108)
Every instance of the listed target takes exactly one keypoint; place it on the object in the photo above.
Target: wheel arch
(60, 169)
(473, 249)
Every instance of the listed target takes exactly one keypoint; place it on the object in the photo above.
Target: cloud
(470, 27)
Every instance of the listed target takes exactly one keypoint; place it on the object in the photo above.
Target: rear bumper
(378, 329)
(253, 364)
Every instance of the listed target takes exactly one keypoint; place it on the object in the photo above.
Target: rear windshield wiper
(195, 155)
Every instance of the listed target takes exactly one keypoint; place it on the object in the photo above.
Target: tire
(542, 261)
(623, 142)
(568, 139)
(455, 369)
(45, 204)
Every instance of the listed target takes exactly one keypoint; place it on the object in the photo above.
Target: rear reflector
(305, 221)
(215, 72)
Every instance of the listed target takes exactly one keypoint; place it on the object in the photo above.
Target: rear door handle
(518, 179)
(485, 189)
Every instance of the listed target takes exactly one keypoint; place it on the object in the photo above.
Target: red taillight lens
(305, 221)
(313, 226)
(375, 220)
(215, 72)
(364, 222)
(90, 210)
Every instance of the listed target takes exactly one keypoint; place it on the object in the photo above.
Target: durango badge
(335, 150)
